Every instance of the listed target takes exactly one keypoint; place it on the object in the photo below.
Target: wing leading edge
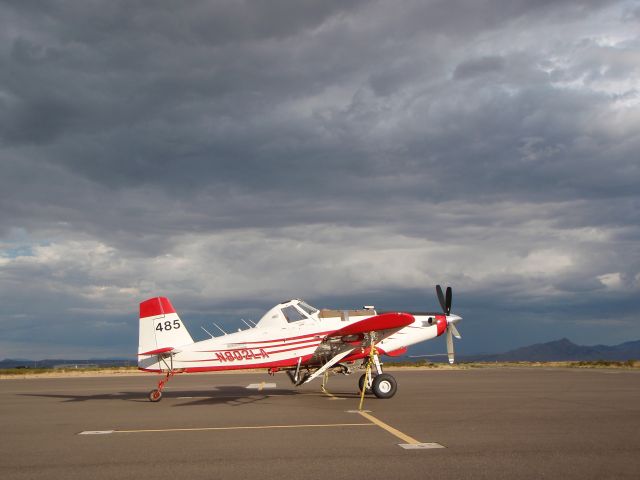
(379, 323)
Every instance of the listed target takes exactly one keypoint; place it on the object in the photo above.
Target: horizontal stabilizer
(158, 351)
(385, 321)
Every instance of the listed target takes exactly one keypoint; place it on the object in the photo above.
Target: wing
(343, 342)
(383, 325)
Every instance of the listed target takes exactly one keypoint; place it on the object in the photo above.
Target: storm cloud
(231, 155)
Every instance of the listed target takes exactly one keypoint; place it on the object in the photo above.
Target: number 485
(168, 325)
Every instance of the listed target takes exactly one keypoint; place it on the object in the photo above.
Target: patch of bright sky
(19, 244)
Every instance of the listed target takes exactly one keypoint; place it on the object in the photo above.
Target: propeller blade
(441, 298)
(448, 301)
(450, 353)
(455, 331)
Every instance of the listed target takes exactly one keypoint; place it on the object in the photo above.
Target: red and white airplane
(294, 337)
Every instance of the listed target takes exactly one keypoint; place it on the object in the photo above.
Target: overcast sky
(233, 154)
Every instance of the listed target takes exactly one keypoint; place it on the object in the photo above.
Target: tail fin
(161, 329)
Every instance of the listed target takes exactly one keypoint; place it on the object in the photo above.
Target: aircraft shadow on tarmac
(220, 394)
(232, 395)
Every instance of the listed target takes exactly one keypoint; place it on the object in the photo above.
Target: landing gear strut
(156, 394)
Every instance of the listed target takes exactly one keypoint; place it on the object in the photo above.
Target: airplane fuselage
(275, 343)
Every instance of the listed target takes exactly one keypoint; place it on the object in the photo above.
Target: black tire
(155, 395)
(384, 386)
(361, 383)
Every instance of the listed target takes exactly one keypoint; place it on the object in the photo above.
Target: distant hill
(51, 363)
(560, 350)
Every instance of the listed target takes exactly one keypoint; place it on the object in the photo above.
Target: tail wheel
(384, 386)
(155, 395)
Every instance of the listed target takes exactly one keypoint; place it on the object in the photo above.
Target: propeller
(451, 330)
(445, 303)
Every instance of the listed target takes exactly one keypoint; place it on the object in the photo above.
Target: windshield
(307, 308)
(292, 314)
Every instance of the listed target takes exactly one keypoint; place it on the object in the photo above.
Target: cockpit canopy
(295, 310)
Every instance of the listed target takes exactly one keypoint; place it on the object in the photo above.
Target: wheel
(384, 386)
(155, 395)
(361, 383)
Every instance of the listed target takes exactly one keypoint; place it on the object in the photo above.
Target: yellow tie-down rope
(367, 374)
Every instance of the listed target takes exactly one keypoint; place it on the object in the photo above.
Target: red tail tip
(156, 306)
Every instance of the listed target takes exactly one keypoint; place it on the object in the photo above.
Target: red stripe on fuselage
(289, 362)
(255, 345)
(306, 344)
(319, 334)
(294, 348)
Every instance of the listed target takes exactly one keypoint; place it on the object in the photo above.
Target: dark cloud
(479, 66)
(232, 154)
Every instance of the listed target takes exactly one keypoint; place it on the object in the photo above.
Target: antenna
(218, 326)
(246, 323)
(207, 331)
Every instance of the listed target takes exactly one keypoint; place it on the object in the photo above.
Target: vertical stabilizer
(160, 327)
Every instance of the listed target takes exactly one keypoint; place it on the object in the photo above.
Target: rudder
(160, 327)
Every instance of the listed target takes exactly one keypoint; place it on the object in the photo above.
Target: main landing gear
(382, 385)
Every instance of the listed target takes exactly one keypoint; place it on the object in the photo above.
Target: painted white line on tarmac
(420, 446)
(203, 429)
(260, 386)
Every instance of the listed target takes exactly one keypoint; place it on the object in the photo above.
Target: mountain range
(562, 350)
(53, 363)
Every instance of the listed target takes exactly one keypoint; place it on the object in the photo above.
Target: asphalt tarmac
(495, 423)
